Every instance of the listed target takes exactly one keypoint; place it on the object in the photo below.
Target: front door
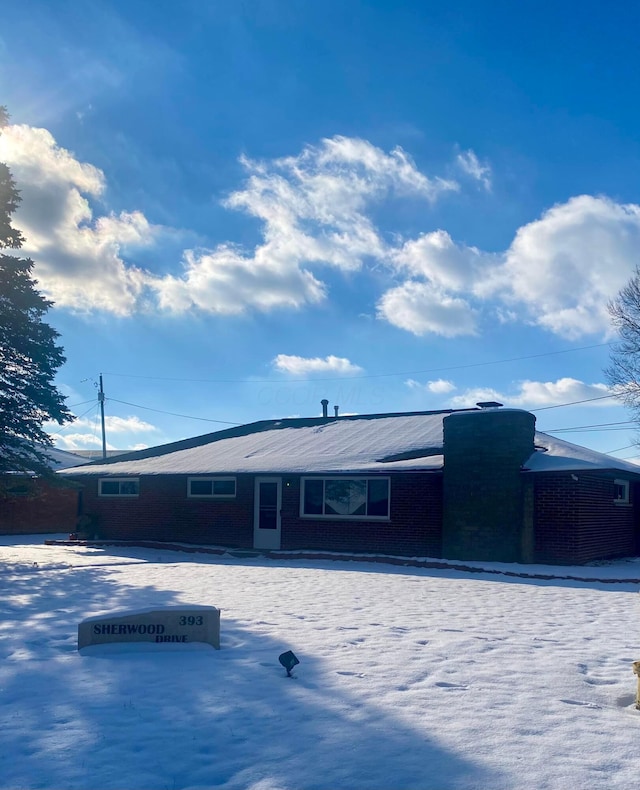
(266, 520)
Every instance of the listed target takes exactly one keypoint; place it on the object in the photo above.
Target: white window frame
(338, 516)
(119, 480)
(624, 500)
(212, 480)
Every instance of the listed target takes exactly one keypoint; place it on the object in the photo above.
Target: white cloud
(559, 272)
(80, 441)
(442, 277)
(437, 387)
(533, 394)
(469, 163)
(87, 434)
(435, 257)
(78, 256)
(421, 308)
(567, 265)
(360, 162)
(225, 281)
(89, 441)
(313, 209)
(299, 366)
(126, 425)
(40, 161)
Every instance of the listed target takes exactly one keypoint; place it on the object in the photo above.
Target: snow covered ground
(409, 677)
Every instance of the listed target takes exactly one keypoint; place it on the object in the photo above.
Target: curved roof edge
(556, 455)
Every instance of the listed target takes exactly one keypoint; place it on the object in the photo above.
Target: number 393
(191, 619)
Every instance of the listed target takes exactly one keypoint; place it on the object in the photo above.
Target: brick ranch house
(30, 504)
(473, 484)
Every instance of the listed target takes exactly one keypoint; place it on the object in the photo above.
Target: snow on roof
(364, 443)
(56, 459)
(379, 443)
(62, 459)
(556, 455)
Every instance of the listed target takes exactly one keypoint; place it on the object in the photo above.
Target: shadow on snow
(228, 718)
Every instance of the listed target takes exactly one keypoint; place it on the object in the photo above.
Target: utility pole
(101, 402)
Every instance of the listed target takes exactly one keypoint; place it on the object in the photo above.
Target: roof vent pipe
(324, 403)
(335, 410)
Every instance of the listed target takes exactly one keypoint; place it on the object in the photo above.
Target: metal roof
(355, 443)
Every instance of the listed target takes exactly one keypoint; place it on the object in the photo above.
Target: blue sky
(240, 208)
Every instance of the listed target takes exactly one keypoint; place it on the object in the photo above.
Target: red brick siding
(576, 521)
(162, 511)
(49, 509)
(414, 529)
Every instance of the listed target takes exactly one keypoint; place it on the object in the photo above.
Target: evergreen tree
(29, 356)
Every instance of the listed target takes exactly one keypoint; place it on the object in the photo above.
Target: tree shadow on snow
(224, 719)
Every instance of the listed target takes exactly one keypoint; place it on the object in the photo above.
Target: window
(118, 486)
(19, 485)
(621, 492)
(340, 497)
(211, 487)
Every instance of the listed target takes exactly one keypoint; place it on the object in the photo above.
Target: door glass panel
(268, 518)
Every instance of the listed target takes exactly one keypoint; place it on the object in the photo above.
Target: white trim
(267, 538)
(624, 500)
(119, 480)
(212, 480)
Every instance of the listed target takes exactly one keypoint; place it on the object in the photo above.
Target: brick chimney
(485, 516)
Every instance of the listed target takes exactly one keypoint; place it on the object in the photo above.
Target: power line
(608, 426)
(587, 430)
(173, 414)
(77, 416)
(543, 408)
(581, 428)
(573, 403)
(620, 449)
(367, 376)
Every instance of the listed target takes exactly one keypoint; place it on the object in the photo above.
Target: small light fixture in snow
(636, 670)
(288, 661)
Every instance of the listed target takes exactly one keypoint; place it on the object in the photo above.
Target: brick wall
(573, 521)
(42, 509)
(483, 493)
(162, 511)
(577, 521)
(414, 529)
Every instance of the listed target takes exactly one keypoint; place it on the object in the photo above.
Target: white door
(266, 519)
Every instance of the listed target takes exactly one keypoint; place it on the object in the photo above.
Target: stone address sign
(174, 624)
